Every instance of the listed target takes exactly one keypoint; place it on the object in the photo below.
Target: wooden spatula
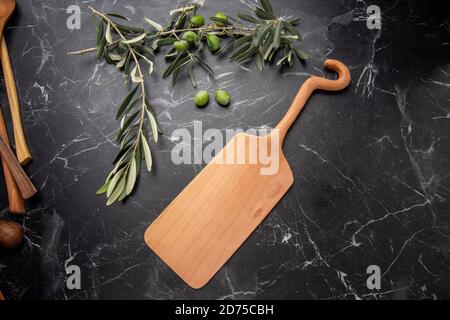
(211, 218)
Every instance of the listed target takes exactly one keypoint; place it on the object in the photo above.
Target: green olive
(222, 97)
(201, 98)
(197, 21)
(180, 45)
(189, 36)
(213, 42)
(222, 16)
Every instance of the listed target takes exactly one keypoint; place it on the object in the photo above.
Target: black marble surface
(371, 164)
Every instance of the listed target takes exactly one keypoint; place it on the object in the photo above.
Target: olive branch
(129, 48)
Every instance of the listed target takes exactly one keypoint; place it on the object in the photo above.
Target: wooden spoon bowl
(6, 9)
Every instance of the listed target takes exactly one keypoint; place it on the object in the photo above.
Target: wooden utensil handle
(15, 200)
(308, 87)
(23, 154)
(23, 183)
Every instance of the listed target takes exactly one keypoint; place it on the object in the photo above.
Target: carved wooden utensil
(23, 154)
(15, 200)
(23, 183)
(211, 218)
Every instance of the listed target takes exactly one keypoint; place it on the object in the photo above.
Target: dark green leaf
(300, 54)
(122, 152)
(262, 34)
(115, 15)
(247, 54)
(267, 6)
(259, 61)
(224, 47)
(239, 42)
(126, 125)
(247, 17)
(100, 31)
(101, 47)
(129, 29)
(267, 43)
(128, 138)
(268, 52)
(180, 59)
(171, 54)
(294, 21)
(264, 14)
(182, 63)
(175, 74)
(181, 21)
(191, 75)
(165, 42)
(205, 65)
(138, 159)
(220, 20)
(175, 18)
(290, 63)
(240, 51)
(106, 56)
(293, 31)
(277, 36)
(127, 64)
(235, 20)
(143, 50)
(126, 102)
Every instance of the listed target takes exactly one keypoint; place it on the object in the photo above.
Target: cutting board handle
(308, 87)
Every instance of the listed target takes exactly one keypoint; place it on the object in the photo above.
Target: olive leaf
(191, 76)
(247, 17)
(108, 34)
(264, 14)
(165, 42)
(132, 49)
(147, 153)
(220, 20)
(277, 36)
(154, 24)
(131, 177)
(126, 102)
(137, 39)
(267, 6)
(116, 15)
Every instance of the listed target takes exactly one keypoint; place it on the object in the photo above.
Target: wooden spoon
(15, 200)
(16, 203)
(23, 154)
(23, 182)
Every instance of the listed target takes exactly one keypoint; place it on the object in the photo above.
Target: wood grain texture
(24, 184)
(211, 218)
(1, 296)
(22, 151)
(214, 214)
(15, 200)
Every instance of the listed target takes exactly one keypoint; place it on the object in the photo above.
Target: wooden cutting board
(211, 218)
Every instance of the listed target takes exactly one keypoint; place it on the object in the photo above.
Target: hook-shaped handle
(308, 87)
